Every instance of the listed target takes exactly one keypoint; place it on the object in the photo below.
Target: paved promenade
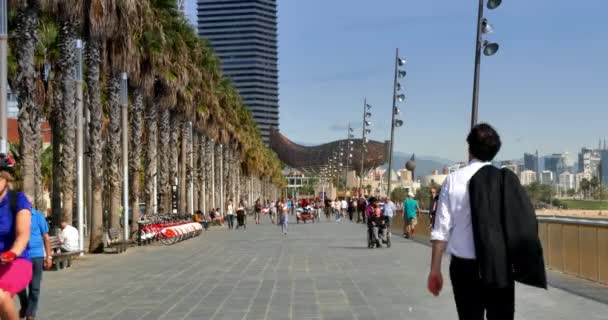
(319, 271)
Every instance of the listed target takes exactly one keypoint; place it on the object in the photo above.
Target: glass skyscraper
(243, 34)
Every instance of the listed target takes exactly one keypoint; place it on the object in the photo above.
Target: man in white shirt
(343, 207)
(68, 237)
(453, 231)
(389, 211)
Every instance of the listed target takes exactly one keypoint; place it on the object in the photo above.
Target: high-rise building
(555, 163)
(589, 161)
(527, 177)
(530, 162)
(243, 34)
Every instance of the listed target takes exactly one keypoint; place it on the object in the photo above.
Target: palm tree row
(176, 87)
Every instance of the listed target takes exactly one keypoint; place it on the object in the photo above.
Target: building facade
(567, 181)
(243, 34)
(546, 177)
(555, 163)
(527, 177)
(589, 161)
(604, 167)
(531, 162)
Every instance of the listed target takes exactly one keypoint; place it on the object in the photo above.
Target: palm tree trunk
(202, 170)
(114, 151)
(218, 180)
(183, 166)
(209, 174)
(56, 133)
(67, 38)
(151, 162)
(174, 132)
(96, 143)
(136, 123)
(29, 111)
(164, 185)
(195, 170)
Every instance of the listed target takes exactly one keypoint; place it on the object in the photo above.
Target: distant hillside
(424, 164)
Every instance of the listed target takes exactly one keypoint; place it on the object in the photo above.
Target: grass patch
(585, 204)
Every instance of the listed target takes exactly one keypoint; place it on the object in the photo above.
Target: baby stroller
(371, 243)
(241, 218)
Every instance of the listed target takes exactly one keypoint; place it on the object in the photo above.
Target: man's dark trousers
(473, 300)
(28, 297)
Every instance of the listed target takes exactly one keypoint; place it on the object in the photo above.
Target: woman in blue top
(15, 220)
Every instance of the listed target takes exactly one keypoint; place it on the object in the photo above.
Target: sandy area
(593, 214)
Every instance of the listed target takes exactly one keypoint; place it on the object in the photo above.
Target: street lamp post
(365, 131)
(399, 62)
(489, 49)
(124, 102)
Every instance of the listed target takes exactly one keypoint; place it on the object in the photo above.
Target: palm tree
(100, 18)
(135, 148)
(164, 186)
(183, 167)
(69, 15)
(29, 87)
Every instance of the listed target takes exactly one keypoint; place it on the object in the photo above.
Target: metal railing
(574, 246)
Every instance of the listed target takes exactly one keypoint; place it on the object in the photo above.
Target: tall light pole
(124, 102)
(399, 62)
(3, 76)
(489, 49)
(349, 155)
(365, 131)
(79, 146)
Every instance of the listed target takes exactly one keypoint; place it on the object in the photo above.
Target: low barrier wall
(578, 247)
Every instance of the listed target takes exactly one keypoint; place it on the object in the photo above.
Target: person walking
(15, 227)
(273, 212)
(284, 218)
(343, 208)
(230, 215)
(361, 210)
(351, 209)
(410, 211)
(492, 246)
(389, 212)
(257, 210)
(241, 215)
(40, 252)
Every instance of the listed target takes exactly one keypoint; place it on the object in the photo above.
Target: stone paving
(320, 271)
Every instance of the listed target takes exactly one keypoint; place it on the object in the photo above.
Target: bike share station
(168, 229)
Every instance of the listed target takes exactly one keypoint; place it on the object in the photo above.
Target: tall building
(527, 177)
(243, 34)
(589, 161)
(555, 163)
(531, 162)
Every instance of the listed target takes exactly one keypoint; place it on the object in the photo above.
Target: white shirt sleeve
(443, 216)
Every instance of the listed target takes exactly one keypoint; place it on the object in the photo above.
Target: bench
(114, 241)
(61, 259)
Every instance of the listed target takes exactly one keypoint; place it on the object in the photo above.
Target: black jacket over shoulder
(505, 230)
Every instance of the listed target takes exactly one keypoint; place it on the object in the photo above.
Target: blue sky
(546, 89)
